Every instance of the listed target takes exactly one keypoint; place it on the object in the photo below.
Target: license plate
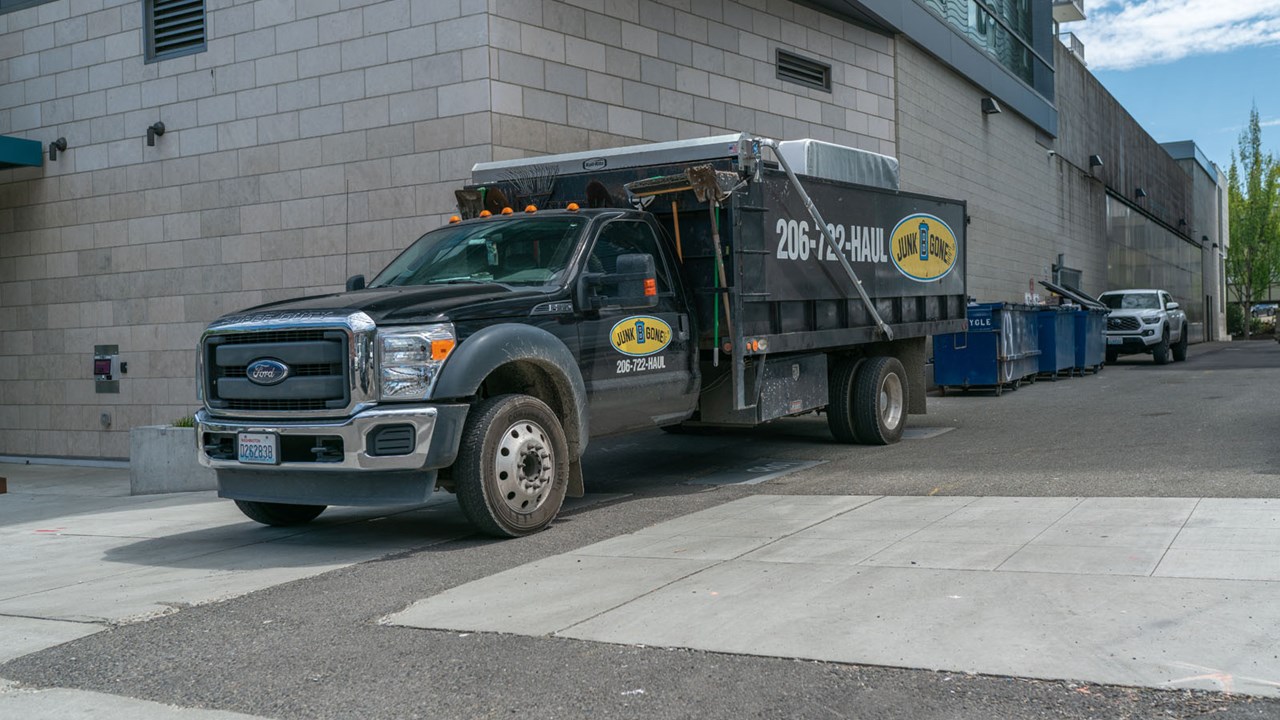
(1115, 341)
(259, 448)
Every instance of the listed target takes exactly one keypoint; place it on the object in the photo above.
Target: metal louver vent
(174, 28)
(803, 71)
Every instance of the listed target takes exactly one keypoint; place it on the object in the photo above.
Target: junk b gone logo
(639, 336)
(923, 247)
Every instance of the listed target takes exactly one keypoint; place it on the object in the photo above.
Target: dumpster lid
(1073, 294)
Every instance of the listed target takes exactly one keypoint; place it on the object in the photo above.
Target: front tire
(1112, 356)
(279, 514)
(1180, 350)
(880, 401)
(512, 469)
(1160, 353)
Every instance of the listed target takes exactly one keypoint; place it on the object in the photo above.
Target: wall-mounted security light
(154, 131)
(1139, 193)
(990, 106)
(57, 146)
(1095, 161)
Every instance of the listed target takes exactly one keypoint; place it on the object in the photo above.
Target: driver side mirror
(1172, 305)
(355, 282)
(633, 286)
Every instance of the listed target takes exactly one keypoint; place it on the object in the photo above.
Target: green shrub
(188, 421)
(1235, 320)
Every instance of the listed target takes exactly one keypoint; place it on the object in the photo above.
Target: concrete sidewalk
(82, 556)
(1160, 592)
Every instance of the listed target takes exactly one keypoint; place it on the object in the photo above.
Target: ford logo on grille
(267, 372)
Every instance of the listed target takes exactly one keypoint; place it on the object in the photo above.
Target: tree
(1253, 203)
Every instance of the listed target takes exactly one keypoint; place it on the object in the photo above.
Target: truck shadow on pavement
(340, 536)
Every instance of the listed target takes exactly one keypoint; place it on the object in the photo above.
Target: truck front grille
(317, 365)
(1123, 323)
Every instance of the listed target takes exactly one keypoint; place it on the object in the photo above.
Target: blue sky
(1189, 69)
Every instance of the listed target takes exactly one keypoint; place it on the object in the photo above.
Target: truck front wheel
(512, 468)
(880, 401)
(1160, 352)
(279, 514)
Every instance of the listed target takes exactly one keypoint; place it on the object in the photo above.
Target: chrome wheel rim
(524, 464)
(891, 401)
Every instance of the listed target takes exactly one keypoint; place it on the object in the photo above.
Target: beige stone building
(305, 141)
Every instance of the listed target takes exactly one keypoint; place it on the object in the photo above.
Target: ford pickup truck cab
(674, 282)
(493, 297)
(1145, 321)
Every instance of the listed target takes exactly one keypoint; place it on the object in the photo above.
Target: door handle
(683, 325)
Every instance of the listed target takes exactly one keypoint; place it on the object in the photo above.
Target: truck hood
(433, 303)
(1132, 312)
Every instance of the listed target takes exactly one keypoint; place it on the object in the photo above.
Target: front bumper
(437, 430)
(1132, 342)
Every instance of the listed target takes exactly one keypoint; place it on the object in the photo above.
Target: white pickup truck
(1145, 321)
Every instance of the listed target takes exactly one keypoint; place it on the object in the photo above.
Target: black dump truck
(583, 295)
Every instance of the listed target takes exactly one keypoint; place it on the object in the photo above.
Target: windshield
(1131, 301)
(516, 251)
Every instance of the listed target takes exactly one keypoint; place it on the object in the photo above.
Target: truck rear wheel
(513, 466)
(840, 400)
(880, 401)
(279, 514)
(1180, 349)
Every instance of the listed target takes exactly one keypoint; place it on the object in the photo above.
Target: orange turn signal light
(573, 207)
(530, 209)
(455, 219)
(650, 287)
(506, 211)
(485, 213)
(440, 349)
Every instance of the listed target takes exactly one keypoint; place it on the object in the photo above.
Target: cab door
(638, 364)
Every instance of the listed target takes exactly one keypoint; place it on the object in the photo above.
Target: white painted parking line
(754, 472)
(924, 433)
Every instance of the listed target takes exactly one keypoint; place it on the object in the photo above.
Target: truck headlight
(1151, 319)
(410, 358)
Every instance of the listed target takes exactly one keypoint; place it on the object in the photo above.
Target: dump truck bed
(786, 285)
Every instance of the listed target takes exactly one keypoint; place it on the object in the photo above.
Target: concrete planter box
(162, 459)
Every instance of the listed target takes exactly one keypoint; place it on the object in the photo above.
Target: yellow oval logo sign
(640, 335)
(923, 247)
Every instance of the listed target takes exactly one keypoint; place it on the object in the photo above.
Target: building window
(174, 28)
(803, 71)
(11, 5)
(1001, 29)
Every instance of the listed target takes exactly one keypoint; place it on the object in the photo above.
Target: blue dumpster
(999, 350)
(1091, 339)
(1057, 341)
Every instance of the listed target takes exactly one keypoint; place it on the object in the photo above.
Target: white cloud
(1124, 34)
